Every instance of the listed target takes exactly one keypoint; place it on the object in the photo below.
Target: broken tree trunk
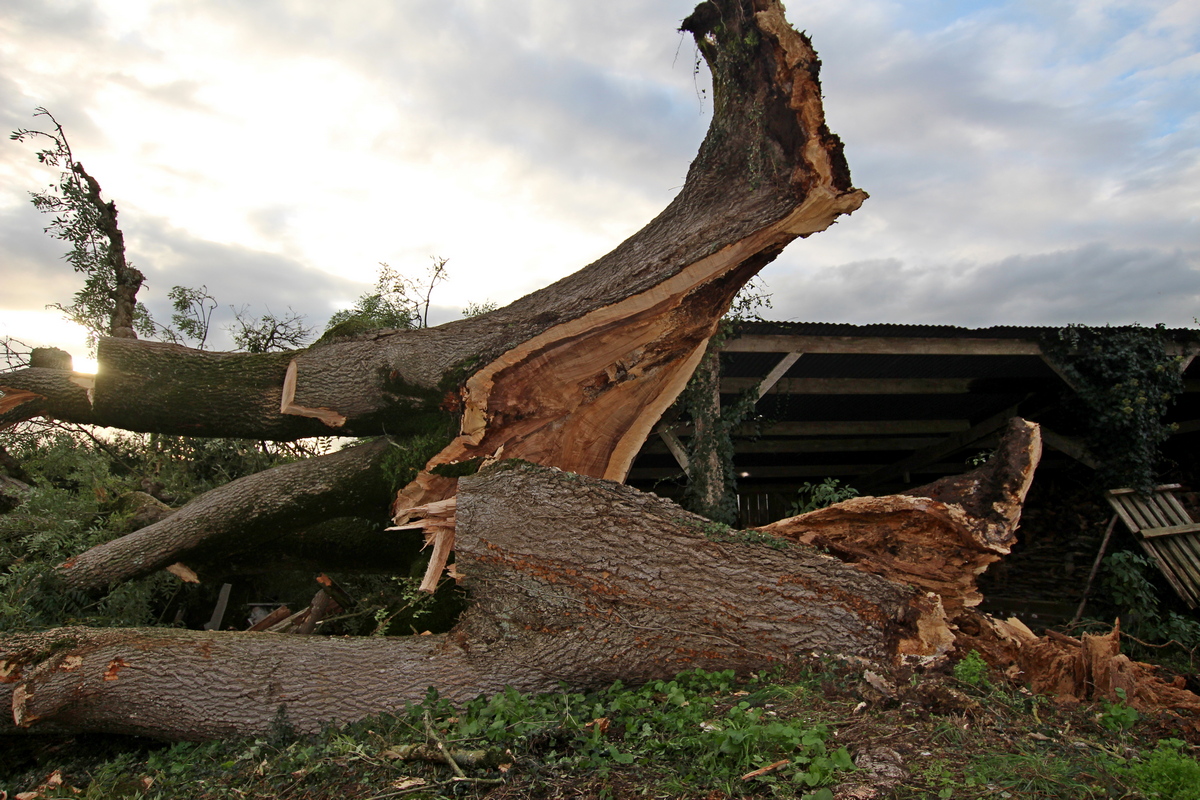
(574, 375)
(571, 578)
(939, 537)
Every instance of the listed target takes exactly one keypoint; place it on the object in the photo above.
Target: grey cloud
(178, 93)
(32, 271)
(1092, 284)
(236, 276)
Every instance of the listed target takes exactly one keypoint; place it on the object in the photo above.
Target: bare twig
(445, 751)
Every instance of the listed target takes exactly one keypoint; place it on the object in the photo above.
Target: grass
(957, 733)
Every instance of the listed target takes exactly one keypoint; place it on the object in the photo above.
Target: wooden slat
(1150, 533)
(1183, 548)
(1153, 511)
(855, 386)
(1167, 534)
(1191, 545)
(1123, 513)
(1163, 488)
(1137, 510)
(675, 447)
(1181, 558)
(775, 374)
(1071, 447)
(1167, 571)
(1188, 573)
(1181, 513)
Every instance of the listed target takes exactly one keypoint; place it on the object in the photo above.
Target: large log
(572, 579)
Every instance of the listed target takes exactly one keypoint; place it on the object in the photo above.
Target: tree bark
(585, 581)
(571, 578)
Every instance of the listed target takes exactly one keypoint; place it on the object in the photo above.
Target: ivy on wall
(1125, 381)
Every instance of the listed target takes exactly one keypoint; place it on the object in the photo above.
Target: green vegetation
(86, 491)
(1117, 716)
(794, 732)
(1166, 773)
(82, 219)
(711, 489)
(811, 496)
(1130, 592)
(398, 302)
(972, 670)
(1123, 381)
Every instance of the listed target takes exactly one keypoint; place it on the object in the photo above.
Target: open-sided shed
(882, 407)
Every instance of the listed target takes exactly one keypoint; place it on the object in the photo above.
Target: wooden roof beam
(1069, 446)
(880, 427)
(944, 448)
(851, 385)
(813, 445)
(886, 345)
(773, 377)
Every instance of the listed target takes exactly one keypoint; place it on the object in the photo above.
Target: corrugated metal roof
(895, 330)
(855, 365)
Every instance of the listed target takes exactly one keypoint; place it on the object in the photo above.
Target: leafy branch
(107, 304)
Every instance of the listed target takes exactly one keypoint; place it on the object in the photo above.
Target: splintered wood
(437, 521)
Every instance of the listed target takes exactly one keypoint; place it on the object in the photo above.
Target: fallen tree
(572, 576)
(574, 375)
(572, 579)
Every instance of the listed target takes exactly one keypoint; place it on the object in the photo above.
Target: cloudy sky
(1029, 161)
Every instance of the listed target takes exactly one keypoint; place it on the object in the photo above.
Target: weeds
(972, 670)
(812, 496)
(1117, 716)
(1166, 773)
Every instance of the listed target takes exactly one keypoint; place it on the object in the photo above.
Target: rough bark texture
(574, 375)
(573, 579)
(580, 581)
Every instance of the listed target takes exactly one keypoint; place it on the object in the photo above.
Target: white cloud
(261, 148)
